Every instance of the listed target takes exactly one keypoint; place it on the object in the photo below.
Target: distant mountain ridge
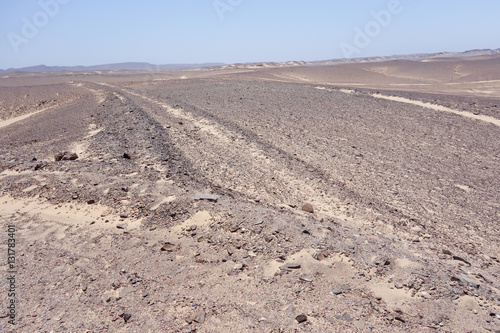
(144, 66)
(134, 66)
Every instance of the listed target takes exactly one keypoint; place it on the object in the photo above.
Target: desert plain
(361, 197)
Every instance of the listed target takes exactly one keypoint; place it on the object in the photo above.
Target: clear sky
(91, 32)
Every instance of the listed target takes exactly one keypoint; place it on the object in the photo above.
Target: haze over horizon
(70, 33)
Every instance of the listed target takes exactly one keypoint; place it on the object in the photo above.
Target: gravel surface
(229, 202)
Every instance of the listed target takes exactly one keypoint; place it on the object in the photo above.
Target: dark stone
(65, 156)
(301, 318)
(126, 316)
(461, 259)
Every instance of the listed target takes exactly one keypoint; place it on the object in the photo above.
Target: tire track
(231, 161)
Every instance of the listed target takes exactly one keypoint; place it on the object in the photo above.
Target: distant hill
(413, 57)
(133, 66)
(144, 66)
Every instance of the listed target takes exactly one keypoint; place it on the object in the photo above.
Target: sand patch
(394, 298)
(31, 188)
(69, 214)
(201, 220)
(407, 263)
(347, 91)
(337, 262)
(468, 302)
(165, 200)
(463, 187)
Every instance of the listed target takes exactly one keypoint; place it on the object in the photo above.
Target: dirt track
(405, 225)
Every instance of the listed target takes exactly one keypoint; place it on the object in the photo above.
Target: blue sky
(90, 32)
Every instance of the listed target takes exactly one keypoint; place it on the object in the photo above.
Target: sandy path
(14, 120)
(436, 107)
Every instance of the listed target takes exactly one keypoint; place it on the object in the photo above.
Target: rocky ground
(229, 203)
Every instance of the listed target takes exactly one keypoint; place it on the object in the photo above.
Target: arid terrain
(359, 197)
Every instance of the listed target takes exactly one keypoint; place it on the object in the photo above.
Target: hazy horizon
(71, 33)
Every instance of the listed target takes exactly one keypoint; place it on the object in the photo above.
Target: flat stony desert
(338, 198)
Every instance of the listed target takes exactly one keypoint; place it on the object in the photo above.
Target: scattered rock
(447, 252)
(308, 208)
(425, 294)
(461, 259)
(177, 271)
(321, 256)
(168, 246)
(122, 225)
(467, 280)
(124, 188)
(337, 291)
(301, 318)
(290, 266)
(305, 279)
(205, 196)
(127, 156)
(345, 317)
(65, 156)
(123, 292)
(420, 273)
(199, 317)
(234, 228)
(91, 201)
(39, 166)
(126, 316)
